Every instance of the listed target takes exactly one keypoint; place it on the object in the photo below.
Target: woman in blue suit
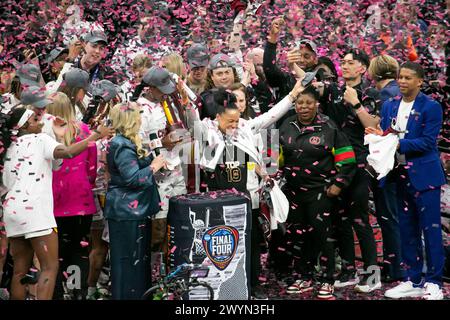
(419, 176)
(132, 198)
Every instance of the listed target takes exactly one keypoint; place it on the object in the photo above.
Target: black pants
(353, 213)
(309, 233)
(71, 232)
(130, 258)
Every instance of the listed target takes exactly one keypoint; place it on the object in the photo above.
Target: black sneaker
(259, 294)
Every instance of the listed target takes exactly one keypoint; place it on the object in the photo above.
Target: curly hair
(125, 119)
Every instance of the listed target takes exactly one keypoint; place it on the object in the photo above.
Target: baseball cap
(104, 89)
(77, 78)
(220, 60)
(35, 96)
(308, 43)
(29, 74)
(55, 53)
(160, 78)
(197, 55)
(95, 36)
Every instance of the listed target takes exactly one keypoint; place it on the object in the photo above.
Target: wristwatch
(357, 106)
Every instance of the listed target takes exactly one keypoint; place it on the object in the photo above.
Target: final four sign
(220, 244)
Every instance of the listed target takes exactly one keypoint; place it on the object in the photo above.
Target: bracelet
(357, 106)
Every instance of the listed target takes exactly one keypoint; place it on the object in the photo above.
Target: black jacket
(333, 105)
(317, 155)
(281, 82)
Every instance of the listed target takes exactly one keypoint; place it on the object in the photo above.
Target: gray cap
(309, 43)
(95, 36)
(160, 78)
(77, 78)
(35, 96)
(55, 53)
(197, 55)
(220, 60)
(105, 89)
(29, 74)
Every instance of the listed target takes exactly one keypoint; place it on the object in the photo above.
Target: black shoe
(259, 294)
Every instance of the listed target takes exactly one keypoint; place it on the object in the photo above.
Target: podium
(213, 229)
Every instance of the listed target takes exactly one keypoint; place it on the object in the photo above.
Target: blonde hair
(174, 63)
(141, 61)
(62, 108)
(383, 67)
(125, 120)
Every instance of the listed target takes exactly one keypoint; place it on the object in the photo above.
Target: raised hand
(275, 29)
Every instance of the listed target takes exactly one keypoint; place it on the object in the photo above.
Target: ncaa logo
(314, 140)
(220, 244)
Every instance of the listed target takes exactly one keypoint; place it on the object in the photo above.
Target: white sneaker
(404, 290)
(432, 292)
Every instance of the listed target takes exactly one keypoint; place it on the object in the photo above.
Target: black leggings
(308, 236)
(71, 232)
(353, 214)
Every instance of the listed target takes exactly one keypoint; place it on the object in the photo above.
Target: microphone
(155, 143)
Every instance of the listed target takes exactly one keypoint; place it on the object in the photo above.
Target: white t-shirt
(404, 111)
(28, 177)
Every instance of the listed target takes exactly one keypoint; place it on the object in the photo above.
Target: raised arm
(63, 152)
(273, 73)
(276, 112)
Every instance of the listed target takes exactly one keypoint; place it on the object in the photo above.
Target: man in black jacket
(353, 107)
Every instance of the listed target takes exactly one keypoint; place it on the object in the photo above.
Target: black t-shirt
(333, 105)
(231, 172)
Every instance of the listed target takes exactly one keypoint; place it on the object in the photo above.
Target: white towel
(280, 203)
(382, 152)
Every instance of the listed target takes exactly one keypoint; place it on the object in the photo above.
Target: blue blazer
(132, 191)
(419, 144)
